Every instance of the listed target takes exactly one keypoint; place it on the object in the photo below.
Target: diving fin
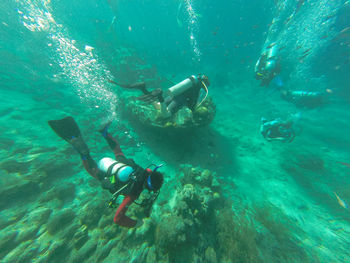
(69, 131)
(138, 85)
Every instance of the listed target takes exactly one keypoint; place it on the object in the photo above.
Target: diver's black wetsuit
(188, 98)
(131, 193)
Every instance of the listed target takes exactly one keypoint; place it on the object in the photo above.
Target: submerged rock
(80, 237)
(7, 241)
(103, 252)
(6, 143)
(69, 231)
(14, 166)
(210, 255)
(5, 220)
(42, 149)
(146, 229)
(64, 192)
(17, 255)
(91, 213)
(310, 162)
(151, 255)
(39, 216)
(27, 232)
(85, 252)
(196, 176)
(140, 254)
(111, 232)
(58, 252)
(59, 220)
(174, 233)
(55, 170)
(170, 232)
(19, 190)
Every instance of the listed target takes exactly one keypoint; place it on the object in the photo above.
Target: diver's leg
(176, 104)
(91, 166)
(165, 113)
(68, 130)
(112, 142)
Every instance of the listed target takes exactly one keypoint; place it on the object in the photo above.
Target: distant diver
(113, 23)
(305, 99)
(184, 94)
(121, 176)
(268, 65)
(277, 130)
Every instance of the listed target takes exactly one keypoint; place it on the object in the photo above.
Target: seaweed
(236, 238)
(278, 235)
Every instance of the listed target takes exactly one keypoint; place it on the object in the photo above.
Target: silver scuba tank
(112, 167)
(181, 87)
(272, 52)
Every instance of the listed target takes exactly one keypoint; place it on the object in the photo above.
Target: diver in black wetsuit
(277, 130)
(268, 65)
(183, 94)
(305, 99)
(120, 176)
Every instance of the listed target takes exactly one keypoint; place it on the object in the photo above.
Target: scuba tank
(107, 163)
(300, 93)
(182, 86)
(115, 169)
(188, 83)
(272, 52)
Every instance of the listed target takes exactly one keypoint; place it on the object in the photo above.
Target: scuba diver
(268, 65)
(184, 94)
(305, 99)
(121, 176)
(277, 130)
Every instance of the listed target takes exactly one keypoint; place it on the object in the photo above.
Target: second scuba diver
(183, 94)
(121, 176)
(277, 130)
(305, 99)
(268, 65)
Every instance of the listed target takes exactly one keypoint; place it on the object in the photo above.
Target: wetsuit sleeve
(120, 218)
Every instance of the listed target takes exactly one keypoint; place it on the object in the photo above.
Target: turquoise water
(229, 194)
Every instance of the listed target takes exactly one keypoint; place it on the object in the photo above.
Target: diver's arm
(120, 218)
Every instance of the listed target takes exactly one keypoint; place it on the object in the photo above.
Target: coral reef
(150, 116)
(193, 223)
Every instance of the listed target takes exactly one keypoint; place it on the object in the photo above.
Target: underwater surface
(235, 189)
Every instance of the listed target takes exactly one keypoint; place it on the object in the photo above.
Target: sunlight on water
(81, 67)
